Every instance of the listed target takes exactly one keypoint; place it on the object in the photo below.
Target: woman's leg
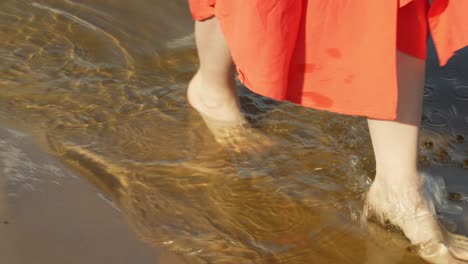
(212, 91)
(397, 192)
(213, 94)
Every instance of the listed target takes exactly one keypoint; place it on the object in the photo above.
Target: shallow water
(103, 86)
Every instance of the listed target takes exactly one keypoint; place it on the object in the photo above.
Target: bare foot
(219, 108)
(407, 208)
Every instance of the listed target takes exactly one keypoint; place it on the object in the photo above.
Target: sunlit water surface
(103, 85)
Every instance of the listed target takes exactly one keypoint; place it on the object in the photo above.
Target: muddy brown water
(116, 167)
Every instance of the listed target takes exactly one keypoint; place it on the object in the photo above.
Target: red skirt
(338, 56)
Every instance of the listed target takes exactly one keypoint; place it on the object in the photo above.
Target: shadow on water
(105, 84)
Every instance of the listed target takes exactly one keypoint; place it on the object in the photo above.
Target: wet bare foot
(220, 110)
(407, 208)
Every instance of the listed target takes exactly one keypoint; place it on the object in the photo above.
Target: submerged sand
(49, 214)
(122, 159)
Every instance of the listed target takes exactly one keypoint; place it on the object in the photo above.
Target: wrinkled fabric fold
(338, 56)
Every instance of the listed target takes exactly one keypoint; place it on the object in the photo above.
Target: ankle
(214, 92)
(398, 190)
(212, 79)
(398, 176)
(409, 186)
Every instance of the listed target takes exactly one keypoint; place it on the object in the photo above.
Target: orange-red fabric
(338, 56)
(202, 9)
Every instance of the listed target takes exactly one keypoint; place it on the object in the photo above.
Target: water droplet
(465, 164)
(455, 196)
(428, 145)
(460, 139)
